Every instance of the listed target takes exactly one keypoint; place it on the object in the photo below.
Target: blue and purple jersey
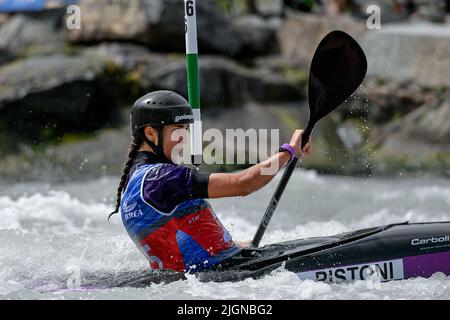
(165, 214)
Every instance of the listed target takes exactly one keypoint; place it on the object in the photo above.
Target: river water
(53, 234)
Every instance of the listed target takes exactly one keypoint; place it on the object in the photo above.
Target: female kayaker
(163, 205)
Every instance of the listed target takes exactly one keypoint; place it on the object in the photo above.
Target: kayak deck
(391, 252)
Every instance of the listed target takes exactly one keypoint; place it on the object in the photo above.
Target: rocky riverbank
(65, 94)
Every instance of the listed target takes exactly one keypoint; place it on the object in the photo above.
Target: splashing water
(53, 236)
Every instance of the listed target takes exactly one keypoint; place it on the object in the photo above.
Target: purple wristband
(289, 148)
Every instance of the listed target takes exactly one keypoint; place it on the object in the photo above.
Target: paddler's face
(174, 135)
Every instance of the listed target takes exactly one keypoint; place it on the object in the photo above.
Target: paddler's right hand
(296, 143)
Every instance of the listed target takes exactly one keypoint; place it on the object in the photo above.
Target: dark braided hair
(134, 147)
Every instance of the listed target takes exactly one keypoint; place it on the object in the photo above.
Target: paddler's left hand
(307, 149)
(296, 143)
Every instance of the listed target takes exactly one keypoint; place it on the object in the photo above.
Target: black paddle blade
(337, 69)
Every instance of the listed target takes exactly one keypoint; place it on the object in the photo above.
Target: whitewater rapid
(53, 234)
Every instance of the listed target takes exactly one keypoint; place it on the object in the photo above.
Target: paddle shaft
(279, 191)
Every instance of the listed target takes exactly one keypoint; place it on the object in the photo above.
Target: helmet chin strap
(158, 149)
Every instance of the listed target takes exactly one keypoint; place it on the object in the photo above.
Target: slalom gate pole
(190, 20)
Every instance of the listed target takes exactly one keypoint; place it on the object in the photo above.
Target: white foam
(56, 213)
(45, 237)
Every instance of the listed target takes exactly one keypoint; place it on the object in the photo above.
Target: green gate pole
(190, 20)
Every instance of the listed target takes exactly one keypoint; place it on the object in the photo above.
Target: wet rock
(381, 101)
(410, 53)
(25, 31)
(395, 52)
(427, 124)
(269, 7)
(222, 81)
(258, 36)
(132, 57)
(158, 24)
(5, 56)
(418, 141)
(43, 95)
(37, 74)
(301, 33)
(406, 128)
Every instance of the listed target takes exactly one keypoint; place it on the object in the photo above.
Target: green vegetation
(233, 8)
(299, 77)
(120, 83)
(76, 137)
